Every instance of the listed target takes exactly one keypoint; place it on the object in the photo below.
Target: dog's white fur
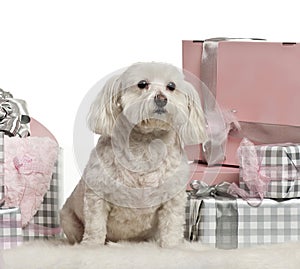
(141, 146)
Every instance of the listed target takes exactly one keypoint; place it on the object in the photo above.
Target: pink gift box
(257, 82)
(213, 175)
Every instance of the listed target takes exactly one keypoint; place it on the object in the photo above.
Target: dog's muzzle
(161, 101)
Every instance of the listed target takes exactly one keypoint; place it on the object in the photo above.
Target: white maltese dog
(133, 187)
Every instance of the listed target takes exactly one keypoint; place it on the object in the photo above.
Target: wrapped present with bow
(14, 121)
(219, 219)
(271, 171)
(29, 171)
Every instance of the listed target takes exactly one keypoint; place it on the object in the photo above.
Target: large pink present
(255, 82)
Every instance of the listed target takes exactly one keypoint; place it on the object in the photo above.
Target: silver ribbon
(214, 149)
(226, 212)
(201, 189)
(226, 224)
(14, 118)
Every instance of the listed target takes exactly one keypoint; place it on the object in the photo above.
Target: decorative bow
(27, 165)
(203, 190)
(223, 190)
(14, 119)
(256, 183)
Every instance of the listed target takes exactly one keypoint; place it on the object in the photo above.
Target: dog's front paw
(92, 241)
(170, 242)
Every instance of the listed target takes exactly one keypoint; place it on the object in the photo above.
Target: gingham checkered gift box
(11, 234)
(233, 223)
(45, 223)
(275, 169)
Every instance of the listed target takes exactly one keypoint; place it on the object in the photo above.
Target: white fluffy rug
(46, 255)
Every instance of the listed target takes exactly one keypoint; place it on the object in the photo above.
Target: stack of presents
(245, 180)
(29, 176)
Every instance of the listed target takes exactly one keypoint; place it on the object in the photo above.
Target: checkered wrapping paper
(281, 164)
(11, 234)
(45, 223)
(1, 165)
(272, 222)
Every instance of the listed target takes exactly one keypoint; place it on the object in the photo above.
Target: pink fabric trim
(28, 167)
(39, 229)
(252, 177)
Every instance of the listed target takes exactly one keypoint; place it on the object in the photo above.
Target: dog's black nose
(160, 100)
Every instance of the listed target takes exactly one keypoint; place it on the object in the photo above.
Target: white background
(53, 52)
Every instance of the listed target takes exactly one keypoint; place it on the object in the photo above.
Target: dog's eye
(143, 84)
(171, 86)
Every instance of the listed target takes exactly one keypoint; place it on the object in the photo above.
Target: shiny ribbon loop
(201, 189)
(223, 191)
(14, 119)
(226, 212)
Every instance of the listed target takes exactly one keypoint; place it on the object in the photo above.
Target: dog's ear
(194, 130)
(105, 108)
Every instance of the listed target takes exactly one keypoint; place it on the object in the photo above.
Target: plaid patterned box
(278, 164)
(11, 234)
(45, 223)
(1, 165)
(231, 224)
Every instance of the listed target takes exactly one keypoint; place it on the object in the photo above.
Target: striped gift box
(234, 223)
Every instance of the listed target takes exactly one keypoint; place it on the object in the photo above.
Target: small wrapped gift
(30, 177)
(31, 181)
(232, 223)
(271, 171)
(11, 234)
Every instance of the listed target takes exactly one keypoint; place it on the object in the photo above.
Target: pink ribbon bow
(27, 165)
